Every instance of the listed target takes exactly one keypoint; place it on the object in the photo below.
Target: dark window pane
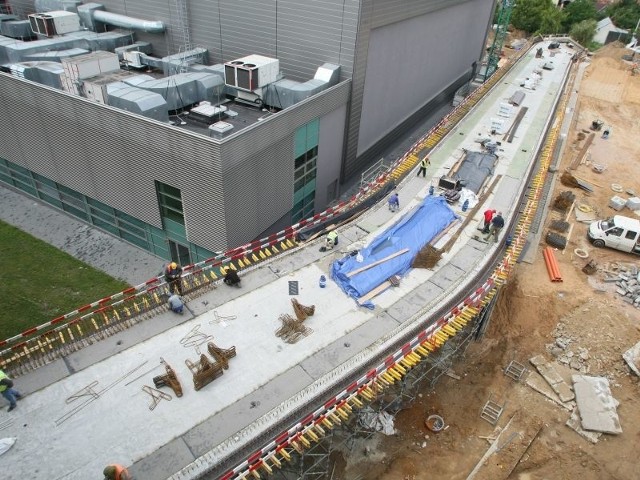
(299, 161)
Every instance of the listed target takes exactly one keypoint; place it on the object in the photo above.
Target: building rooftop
(91, 408)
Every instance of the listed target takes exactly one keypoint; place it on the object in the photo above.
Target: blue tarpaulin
(415, 230)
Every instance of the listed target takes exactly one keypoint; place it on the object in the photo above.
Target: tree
(551, 21)
(535, 15)
(577, 11)
(583, 32)
(625, 13)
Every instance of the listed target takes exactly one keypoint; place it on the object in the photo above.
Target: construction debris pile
(627, 279)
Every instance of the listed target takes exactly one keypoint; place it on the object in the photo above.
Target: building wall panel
(115, 157)
(435, 59)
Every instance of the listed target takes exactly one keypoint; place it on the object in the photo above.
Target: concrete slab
(174, 454)
(553, 378)
(596, 405)
(632, 357)
(574, 424)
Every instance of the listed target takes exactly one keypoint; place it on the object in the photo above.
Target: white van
(621, 233)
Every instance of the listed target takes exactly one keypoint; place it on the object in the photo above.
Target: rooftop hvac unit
(54, 23)
(252, 72)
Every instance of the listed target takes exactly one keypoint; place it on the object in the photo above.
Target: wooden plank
(379, 289)
(378, 262)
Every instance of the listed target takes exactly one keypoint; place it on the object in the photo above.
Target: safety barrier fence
(40, 345)
(367, 388)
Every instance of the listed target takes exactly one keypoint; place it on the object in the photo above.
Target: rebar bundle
(302, 311)
(292, 329)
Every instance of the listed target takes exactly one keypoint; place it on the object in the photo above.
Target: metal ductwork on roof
(13, 51)
(20, 29)
(136, 100)
(124, 21)
(285, 93)
(182, 89)
(94, 12)
(45, 73)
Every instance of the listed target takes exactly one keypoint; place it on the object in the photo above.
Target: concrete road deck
(74, 439)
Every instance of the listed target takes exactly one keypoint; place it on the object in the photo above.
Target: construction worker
(394, 202)
(8, 392)
(172, 275)
(175, 303)
(424, 163)
(231, 277)
(331, 240)
(488, 215)
(497, 223)
(116, 472)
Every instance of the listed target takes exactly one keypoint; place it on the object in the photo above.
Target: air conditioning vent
(251, 73)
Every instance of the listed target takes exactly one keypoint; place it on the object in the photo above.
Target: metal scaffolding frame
(315, 463)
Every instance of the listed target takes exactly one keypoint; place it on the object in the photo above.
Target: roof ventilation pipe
(124, 21)
(285, 93)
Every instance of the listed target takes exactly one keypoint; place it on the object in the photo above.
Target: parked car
(554, 45)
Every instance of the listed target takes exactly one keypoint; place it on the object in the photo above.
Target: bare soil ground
(531, 313)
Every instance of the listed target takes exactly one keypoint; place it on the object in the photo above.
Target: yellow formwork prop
(313, 435)
(127, 311)
(254, 257)
(70, 334)
(407, 363)
(394, 374)
(296, 446)
(304, 440)
(213, 275)
(79, 328)
(399, 368)
(340, 411)
(276, 463)
(450, 330)
(274, 249)
(422, 351)
(232, 266)
(95, 324)
(267, 252)
(290, 243)
(327, 423)
(319, 430)
(335, 418)
(240, 263)
(262, 255)
(285, 455)
(255, 474)
(356, 402)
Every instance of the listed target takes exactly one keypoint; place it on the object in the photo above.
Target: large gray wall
(410, 61)
(445, 36)
(231, 191)
(302, 34)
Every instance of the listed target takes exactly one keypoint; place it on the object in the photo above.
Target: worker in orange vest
(116, 472)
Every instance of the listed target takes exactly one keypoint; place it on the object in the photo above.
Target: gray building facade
(398, 59)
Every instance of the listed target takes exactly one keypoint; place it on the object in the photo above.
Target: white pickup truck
(621, 233)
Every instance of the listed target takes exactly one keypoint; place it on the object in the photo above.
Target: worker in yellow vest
(331, 240)
(7, 390)
(424, 163)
